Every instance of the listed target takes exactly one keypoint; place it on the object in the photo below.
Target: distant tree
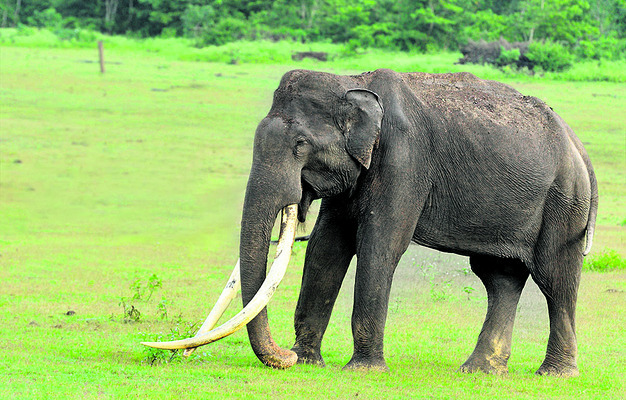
(609, 16)
(591, 28)
(48, 18)
(110, 12)
(4, 8)
(16, 11)
(165, 14)
(342, 17)
(11, 10)
(439, 20)
(559, 20)
(486, 25)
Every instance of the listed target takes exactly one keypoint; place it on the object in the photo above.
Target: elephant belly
(504, 224)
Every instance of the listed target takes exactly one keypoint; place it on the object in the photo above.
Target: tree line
(591, 28)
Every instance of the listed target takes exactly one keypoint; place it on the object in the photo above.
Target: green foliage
(48, 18)
(592, 71)
(608, 260)
(154, 356)
(557, 20)
(76, 35)
(145, 291)
(468, 290)
(591, 28)
(142, 293)
(162, 307)
(508, 57)
(486, 25)
(280, 52)
(440, 291)
(604, 48)
(208, 28)
(130, 313)
(549, 56)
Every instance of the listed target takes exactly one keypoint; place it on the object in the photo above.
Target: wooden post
(101, 52)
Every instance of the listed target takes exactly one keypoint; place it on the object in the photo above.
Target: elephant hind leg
(504, 280)
(558, 278)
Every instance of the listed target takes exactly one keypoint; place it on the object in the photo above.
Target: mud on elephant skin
(447, 161)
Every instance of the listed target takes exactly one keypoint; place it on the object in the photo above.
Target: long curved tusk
(259, 301)
(228, 294)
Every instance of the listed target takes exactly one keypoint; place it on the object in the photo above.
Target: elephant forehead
(302, 80)
(278, 127)
(308, 91)
(303, 108)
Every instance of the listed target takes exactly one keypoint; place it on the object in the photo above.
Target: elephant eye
(338, 123)
(299, 147)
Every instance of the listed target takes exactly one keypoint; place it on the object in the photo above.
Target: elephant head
(314, 142)
(316, 139)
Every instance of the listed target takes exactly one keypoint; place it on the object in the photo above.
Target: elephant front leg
(329, 252)
(371, 299)
(380, 246)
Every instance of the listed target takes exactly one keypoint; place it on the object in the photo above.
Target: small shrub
(142, 293)
(440, 291)
(550, 56)
(203, 24)
(468, 290)
(608, 260)
(48, 18)
(508, 57)
(130, 314)
(593, 71)
(140, 290)
(603, 48)
(162, 307)
(158, 356)
(76, 35)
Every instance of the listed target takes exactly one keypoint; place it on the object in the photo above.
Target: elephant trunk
(258, 219)
(272, 186)
(259, 213)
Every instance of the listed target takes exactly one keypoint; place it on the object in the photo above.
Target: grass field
(108, 180)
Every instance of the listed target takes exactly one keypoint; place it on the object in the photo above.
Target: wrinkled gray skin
(448, 161)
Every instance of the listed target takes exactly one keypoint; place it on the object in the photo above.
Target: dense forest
(586, 28)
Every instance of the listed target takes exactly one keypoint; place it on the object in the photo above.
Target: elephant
(448, 161)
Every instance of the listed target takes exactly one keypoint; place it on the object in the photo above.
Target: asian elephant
(448, 161)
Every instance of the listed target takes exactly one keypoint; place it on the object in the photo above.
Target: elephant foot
(564, 371)
(366, 364)
(488, 365)
(311, 357)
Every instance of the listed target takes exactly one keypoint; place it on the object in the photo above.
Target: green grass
(267, 52)
(608, 260)
(107, 180)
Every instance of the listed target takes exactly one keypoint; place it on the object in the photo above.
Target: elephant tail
(593, 206)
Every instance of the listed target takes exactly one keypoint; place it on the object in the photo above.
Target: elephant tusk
(260, 299)
(228, 294)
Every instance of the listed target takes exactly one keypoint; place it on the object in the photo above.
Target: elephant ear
(362, 124)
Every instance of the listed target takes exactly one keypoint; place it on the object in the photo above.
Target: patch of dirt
(317, 55)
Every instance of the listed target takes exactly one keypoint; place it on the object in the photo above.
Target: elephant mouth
(208, 334)
(308, 195)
